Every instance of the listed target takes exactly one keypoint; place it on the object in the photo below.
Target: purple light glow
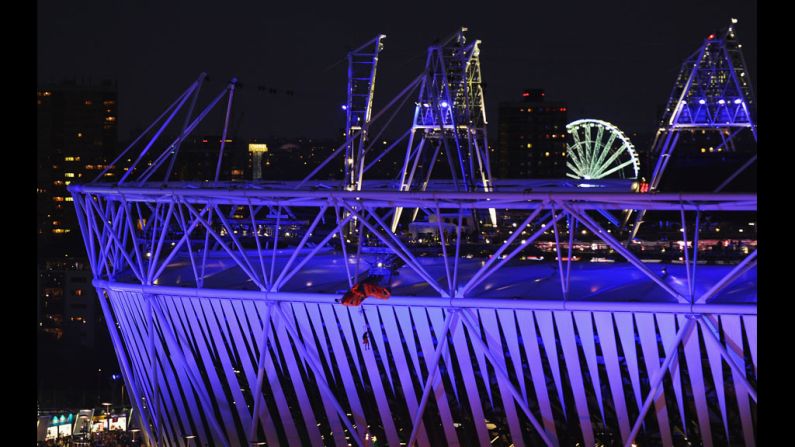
(722, 102)
(702, 102)
(738, 101)
(444, 104)
(344, 107)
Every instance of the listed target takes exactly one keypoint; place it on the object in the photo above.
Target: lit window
(110, 119)
(69, 174)
(109, 102)
(79, 134)
(69, 199)
(88, 102)
(57, 199)
(58, 183)
(77, 292)
(529, 145)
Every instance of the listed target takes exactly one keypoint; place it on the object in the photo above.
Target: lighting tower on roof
(362, 63)
(712, 93)
(449, 116)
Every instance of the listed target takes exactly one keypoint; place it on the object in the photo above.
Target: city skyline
(611, 62)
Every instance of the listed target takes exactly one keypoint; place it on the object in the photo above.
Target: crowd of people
(115, 438)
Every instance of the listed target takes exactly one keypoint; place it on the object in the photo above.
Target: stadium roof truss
(207, 343)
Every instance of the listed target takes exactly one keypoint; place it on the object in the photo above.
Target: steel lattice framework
(145, 246)
(221, 302)
(712, 93)
(450, 116)
(362, 64)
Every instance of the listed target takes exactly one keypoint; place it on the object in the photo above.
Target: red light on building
(644, 187)
(562, 109)
(525, 94)
(710, 37)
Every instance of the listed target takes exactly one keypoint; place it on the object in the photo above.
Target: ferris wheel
(600, 150)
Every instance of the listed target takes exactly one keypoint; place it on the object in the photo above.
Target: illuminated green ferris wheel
(598, 150)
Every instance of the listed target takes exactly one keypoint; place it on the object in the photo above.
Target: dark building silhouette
(292, 158)
(532, 137)
(198, 159)
(76, 135)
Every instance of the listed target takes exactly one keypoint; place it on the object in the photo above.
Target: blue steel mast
(362, 63)
(450, 116)
(712, 93)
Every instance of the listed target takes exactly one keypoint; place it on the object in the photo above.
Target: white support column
(503, 375)
(118, 347)
(257, 394)
(452, 320)
(180, 360)
(656, 381)
(317, 369)
(740, 373)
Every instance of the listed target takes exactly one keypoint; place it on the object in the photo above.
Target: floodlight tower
(362, 63)
(450, 115)
(712, 93)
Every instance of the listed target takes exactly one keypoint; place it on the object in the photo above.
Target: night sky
(611, 60)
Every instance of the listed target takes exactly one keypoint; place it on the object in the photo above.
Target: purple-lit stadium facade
(221, 297)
